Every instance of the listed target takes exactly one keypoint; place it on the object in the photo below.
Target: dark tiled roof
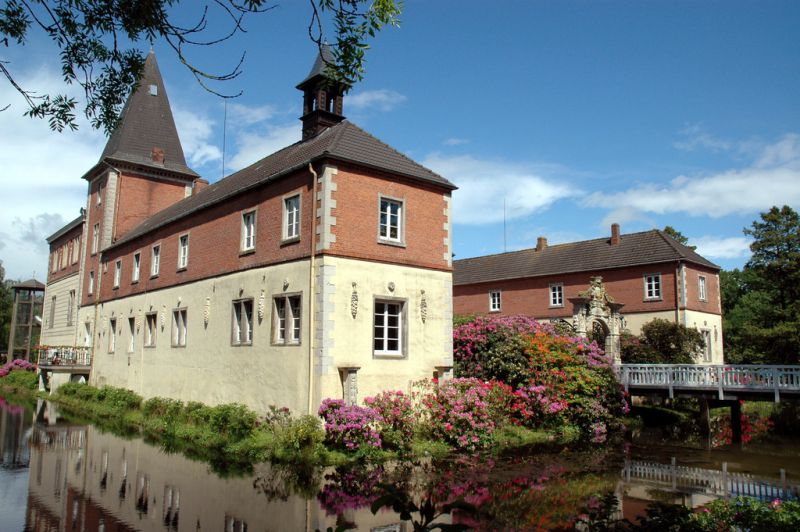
(324, 58)
(146, 122)
(66, 229)
(32, 284)
(635, 249)
(344, 141)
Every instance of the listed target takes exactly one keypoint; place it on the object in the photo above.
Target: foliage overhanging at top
(92, 37)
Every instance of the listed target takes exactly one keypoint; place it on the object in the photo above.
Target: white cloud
(196, 131)
(483, 185)
(381, 100)
(252, 146)
(695, 136)
(624, 215)
(773, 179)
(240, 114)
(454, 141)
(41, 174)
(735, 247)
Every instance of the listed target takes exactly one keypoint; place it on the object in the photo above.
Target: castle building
(322, 270)
(605, 286)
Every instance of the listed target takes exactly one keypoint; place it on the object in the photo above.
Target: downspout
(311, 291)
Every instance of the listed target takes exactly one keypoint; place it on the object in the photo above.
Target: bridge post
(736, 422)
(776, 381)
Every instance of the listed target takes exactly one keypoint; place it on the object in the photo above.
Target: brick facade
(65, 252)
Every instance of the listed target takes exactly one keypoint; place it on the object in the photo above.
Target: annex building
(322, 270)
(602, 286)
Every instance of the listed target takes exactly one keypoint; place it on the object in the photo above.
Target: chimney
(157, 155)
(199, 184)
(541, 243)
(615, 239)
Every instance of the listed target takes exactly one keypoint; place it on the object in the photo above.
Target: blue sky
(576, 114)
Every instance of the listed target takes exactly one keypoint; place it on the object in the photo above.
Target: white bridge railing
(719, 378)
(711, 481)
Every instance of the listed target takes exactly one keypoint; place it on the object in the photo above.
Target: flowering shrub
(16, 365)
(397, 416)
(458, 412)
(350, 427)
(551, 379)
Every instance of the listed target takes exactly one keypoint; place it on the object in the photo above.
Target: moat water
(56, 475)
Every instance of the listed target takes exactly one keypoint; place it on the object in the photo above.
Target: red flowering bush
(458, 412)
(350, 427)
(397, 418)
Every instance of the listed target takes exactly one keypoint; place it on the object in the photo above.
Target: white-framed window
(179, 327)
(90, 287)
(137, 264)
(132, 334)
(701, 288)
(155, 261)
(286, 325)
(112, 335)
(183, 251)
(117, 273)
(95, 238)
(71, 307)
(391, 220)
(291, 217)
(242, 326)
(87, 334)
(54, 262)
(388, 328)
(495, 303)
(248, 231)
(52, 312)
(652, 286)
(99, 193)
(707, 347)
(556, 294)
(233, 524)
(150, 329)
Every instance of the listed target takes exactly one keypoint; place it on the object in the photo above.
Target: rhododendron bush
(552, 379)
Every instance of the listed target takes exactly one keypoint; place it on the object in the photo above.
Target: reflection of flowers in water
(350, 488)
(14, 410)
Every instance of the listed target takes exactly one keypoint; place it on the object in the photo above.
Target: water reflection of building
(83, 479)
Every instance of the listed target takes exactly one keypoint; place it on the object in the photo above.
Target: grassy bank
(231, 436)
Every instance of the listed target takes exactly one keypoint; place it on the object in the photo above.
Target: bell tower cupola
(322, 96)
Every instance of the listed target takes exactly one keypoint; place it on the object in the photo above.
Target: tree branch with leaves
(92, 37)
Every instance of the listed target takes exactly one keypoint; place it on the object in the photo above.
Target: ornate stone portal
(595, 313)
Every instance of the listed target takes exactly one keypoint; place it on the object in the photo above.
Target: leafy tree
(776, 252)
(761, 303)
(678, 236)
(91, 36)
(662, 342)
(6, 305)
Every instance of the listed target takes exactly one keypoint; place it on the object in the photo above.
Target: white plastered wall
(347, 340)
(209, 369)
(60, 332)
(713, 324)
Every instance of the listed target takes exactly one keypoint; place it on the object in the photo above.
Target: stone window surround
(287, 341)
(236, 339)
(178, 328)
(285, 238)
(657, 294)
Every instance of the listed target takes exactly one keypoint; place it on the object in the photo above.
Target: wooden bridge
(714, 482)
(722, 382)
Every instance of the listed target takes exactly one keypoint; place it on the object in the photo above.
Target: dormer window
(153, 90)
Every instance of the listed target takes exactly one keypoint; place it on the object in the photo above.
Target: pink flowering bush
(397, 418)
(458, 412)
(553, 380)
(16, 365)
(350, 427)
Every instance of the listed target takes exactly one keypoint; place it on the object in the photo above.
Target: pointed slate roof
(345, 142)
(324, 58)
(635, 249)
(146, 122)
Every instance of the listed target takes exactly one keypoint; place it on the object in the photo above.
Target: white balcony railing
(65, 356)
